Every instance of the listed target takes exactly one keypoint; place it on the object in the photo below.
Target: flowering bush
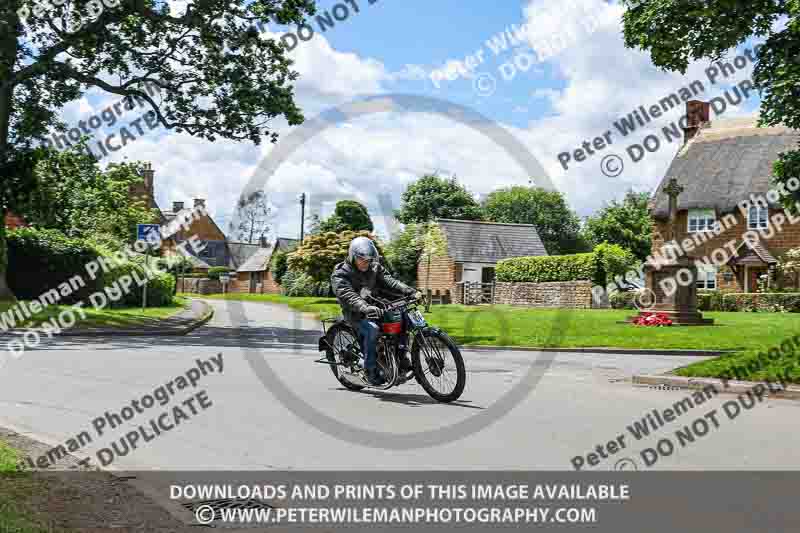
(652, 319)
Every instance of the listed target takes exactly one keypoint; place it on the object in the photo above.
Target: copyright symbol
(484, 84)
(612, 165)
(645, 300)
(626, 464)
(204, 514)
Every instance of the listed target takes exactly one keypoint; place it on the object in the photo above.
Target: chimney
(177, 206)
(698, 114)
(199, 202)
(148, 174)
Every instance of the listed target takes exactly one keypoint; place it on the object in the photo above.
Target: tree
(557, 225)
(348, 215)
(73, 195)
(403, 253)
(433, 197)
(320, 253)
(675, 33)
(253, 216)
(217, 76)
(627, 224)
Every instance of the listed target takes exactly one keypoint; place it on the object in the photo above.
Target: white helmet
(364, 248)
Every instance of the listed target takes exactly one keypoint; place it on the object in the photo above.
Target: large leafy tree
(433, 197)
(348, 215)
(73, 195)
(558, 226)
(218, 77)
(625, 223)
(320, 253)
(676, 32)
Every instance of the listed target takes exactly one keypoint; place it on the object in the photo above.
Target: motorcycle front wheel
(438, 365)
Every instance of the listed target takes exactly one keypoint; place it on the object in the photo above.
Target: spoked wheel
(438, 365)
(345, 350)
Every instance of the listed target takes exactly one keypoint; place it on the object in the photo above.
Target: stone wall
(568, 294)
(200, 286)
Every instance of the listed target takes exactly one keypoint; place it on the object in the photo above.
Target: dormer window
(702, 220)
(757, 217)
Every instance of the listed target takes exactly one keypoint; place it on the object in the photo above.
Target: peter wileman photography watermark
(72, 19)
(68, 318)
(325, 21)
(531, 43)
(671, 251)
(613, 165)
(160, 424)
(109, 117)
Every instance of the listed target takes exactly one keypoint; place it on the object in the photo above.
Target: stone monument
(673, 283)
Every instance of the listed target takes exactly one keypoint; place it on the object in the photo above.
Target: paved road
(581, 401)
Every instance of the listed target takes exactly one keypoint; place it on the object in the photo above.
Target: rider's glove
(372, 312)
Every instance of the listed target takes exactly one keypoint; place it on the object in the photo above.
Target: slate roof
(756, 249)
(489, 242)
(242, 251)
(725, 163)
(259, 261)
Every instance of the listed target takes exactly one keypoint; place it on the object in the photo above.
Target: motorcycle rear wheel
(342, 337)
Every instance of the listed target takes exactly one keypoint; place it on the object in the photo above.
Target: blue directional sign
(150, 233)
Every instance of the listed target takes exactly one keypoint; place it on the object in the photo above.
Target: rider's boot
(374, 377)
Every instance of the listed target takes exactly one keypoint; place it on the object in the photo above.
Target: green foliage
(433, 197)
(785, 168)
(348, 215)
(300, 284)
(279, 265)
(403, 253)
(600, 267)
(41, 260)
(556, 224)
(319, 254)
(627, 224)
(622, 299)
(574, 267)
(614, 260)
(216, 272)
(160, 287)
(76, 197)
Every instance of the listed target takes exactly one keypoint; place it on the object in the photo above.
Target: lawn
(122, 317)
(561, 328)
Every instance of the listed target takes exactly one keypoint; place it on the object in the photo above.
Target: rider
(362, 270)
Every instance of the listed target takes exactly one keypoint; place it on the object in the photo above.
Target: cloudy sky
(552, 74)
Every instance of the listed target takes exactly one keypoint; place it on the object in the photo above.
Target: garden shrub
(160, 287)
(41, 261)
(573, 267)
(622, 300)
(299, 284)
(279, 265)
(216, 272)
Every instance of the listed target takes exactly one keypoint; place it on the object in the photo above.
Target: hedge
(600, 266)
(622, 300)
(216, 272)
(719, 301)
(160, 287)
(42, 260)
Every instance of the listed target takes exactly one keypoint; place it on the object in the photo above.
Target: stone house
(719, 166)
(254, 276)
(473, 250)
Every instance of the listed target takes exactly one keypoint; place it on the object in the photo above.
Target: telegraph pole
(302, 214)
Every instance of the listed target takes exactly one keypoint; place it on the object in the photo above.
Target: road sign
(148, 232)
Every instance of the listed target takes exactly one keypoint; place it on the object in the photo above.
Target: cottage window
(757, 217)
(706, 277)
(702, 220)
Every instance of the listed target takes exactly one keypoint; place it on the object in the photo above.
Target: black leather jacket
(348, 281)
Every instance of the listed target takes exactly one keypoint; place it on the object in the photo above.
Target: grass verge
(321, 307)
(15, 488)
(107, 318)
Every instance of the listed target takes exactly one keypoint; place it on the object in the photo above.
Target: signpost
(150, 235)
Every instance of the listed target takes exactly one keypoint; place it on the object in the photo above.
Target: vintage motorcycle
(436, 361)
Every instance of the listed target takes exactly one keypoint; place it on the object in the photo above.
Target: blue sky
(566, 80)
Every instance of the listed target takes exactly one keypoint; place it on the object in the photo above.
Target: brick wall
(569, 294)
(778, 244)
(242, 284)
(443, 274)
(201, 286)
